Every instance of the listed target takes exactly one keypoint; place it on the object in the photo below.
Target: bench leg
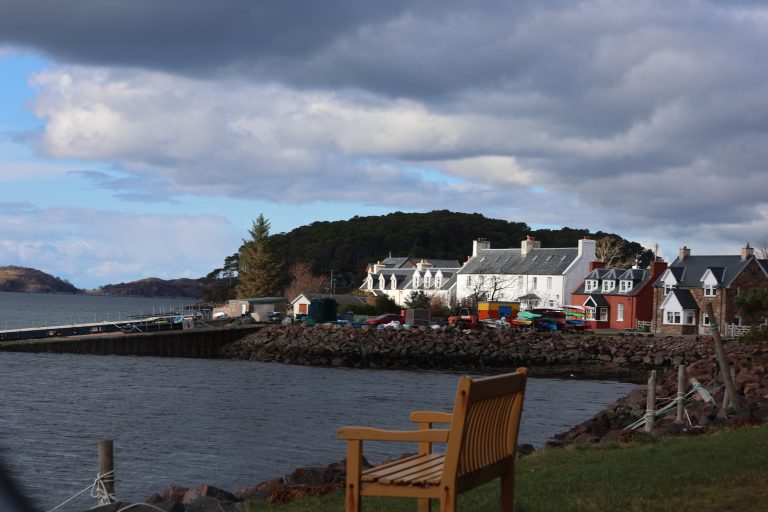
(448, 500)
(425, 504)
(508, 489)
(354, 463)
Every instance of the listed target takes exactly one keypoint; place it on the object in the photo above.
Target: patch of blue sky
(433, 175)
(538, 189)
(15, 73)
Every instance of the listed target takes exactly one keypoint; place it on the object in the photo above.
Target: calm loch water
(226, 423)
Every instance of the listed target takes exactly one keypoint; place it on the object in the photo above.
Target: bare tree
(762, 249)
(490, 283)
(611, 250)
(304, 281)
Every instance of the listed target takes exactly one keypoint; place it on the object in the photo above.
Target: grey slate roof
(443, 264)
(548, 261)
(398, 262)
(691, 269)
(685, 298)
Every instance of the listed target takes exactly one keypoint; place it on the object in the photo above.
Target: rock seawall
(588, 356)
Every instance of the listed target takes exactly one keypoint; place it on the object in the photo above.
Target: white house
(397, 278)
(535, 276)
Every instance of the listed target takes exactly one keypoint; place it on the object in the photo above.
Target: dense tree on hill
(259, 272)
(346, 247)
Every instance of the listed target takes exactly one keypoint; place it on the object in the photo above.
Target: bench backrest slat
(486, 422)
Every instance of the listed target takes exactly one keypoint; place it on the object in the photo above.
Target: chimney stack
(684, 253)
(658, 268)
(747, 251)
(528, 245)
(479, 245)
(596, 264)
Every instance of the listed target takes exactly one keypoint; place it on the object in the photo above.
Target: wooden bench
(481, 445)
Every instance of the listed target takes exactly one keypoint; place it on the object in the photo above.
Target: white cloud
(89, 246)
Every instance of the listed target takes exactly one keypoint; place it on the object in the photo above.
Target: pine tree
(259, 274)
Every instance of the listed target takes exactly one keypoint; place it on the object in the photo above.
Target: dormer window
(370, 283)
(416, 280)
(393, 283)
(590, 285)
(382, 283)
(625, 286)
(710, 290)
(608, 285)
(438, 281)
(427, 281)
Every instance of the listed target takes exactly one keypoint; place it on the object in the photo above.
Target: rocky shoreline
(588, 356)
(628, 357)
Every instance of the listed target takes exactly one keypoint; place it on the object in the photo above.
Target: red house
(618, 298)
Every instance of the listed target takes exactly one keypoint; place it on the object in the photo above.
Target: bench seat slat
(416, 472)
(406, 465)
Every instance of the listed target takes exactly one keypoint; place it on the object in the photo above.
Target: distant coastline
(30, 280)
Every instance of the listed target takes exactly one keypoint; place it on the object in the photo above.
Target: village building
(682, 292)
(618, 298)
(397, 278)
(300, 305)
(532, 275)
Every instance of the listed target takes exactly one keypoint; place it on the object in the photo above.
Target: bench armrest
(377, 434)
(431, 417)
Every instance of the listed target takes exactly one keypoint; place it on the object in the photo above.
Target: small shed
(301, 304)
(257, 307)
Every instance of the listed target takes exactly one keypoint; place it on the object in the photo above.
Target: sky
(141, 138)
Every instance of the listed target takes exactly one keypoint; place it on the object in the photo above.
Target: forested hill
(154, 287)
(347, 246)
(23, 279)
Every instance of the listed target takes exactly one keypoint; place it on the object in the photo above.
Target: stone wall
(620, 357)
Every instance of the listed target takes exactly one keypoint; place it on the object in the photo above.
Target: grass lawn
(727, 470)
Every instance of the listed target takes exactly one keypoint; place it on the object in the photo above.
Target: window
(590, 285)
(710, 290)
(668, 288)
(438, 282)
(427, 281)
(469, 280)
(620, 313)
(689, 317)
(382, 283)
(704, 319)
(534, 283)
(549, 283)
(625, 286)
(603, 315)
(608, 285)
(590, 314)
(416, 281)
(737, 320)
(393, 283)
(673, 317)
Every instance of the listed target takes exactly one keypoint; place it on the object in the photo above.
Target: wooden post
(724, 368)
(650, 403)
(727, 403)
(680, 393)
(106, 464)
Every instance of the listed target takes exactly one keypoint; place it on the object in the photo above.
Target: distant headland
(30, 280)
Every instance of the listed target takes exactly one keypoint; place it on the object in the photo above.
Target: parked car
(384, 319)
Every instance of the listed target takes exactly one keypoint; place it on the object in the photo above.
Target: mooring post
(724, 368)
(680, 393)
(650, 403)
(107, 464)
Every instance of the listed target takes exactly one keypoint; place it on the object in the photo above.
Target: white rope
(673, 403)
(98, 491)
